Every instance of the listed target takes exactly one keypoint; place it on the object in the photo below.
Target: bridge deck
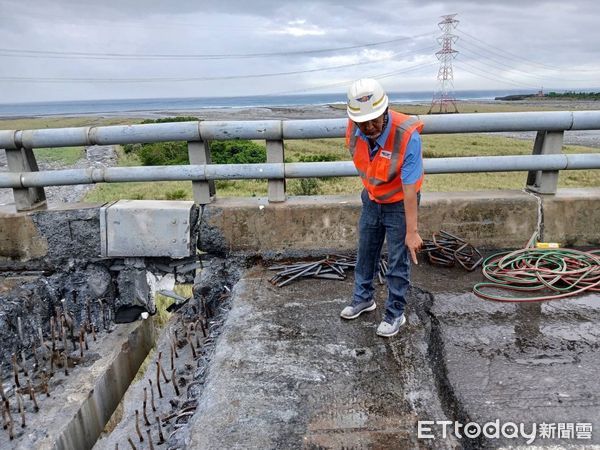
(289, 373)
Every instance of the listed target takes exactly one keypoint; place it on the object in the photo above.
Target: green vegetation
(163, 154)
(63, 122)
(171, 119)
(60, 155)
(237, 152)
(176, 153)
(574, 95)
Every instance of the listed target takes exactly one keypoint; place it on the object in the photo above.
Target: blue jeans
(377, 220)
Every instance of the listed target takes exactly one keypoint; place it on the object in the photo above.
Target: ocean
(191, 104)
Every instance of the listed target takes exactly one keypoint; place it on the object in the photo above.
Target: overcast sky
(79, 49)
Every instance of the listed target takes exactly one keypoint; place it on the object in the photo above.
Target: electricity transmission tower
(444, 95)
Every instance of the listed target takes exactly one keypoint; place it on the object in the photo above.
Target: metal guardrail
(543, 166)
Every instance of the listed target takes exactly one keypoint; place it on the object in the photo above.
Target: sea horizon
(71, 107)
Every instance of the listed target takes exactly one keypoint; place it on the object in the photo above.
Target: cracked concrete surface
(289, 373)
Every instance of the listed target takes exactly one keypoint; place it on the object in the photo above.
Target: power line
(503, 66)
(189, 79)
(347, 82)
(515, 56)
(27, 53)
(490, 76)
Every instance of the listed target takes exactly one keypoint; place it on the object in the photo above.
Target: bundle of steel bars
(333, 267)
(445, 249)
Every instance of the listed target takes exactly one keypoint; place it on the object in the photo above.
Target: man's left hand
(414, 243)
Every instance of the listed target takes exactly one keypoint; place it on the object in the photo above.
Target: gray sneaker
(387, 329)
(355, 310)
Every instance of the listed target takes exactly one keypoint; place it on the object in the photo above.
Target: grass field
(63, 122)
(61, 155)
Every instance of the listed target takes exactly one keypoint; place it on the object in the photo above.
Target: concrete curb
(318, 224)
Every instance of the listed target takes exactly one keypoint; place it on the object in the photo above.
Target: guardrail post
(546, 143)
(23, 160)
(275, 154)
(199, 153)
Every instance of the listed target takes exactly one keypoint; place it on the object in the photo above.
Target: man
(386, 149)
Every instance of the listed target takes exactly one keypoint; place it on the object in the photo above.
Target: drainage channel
(163, 397)
(129, 385)
(65, 405)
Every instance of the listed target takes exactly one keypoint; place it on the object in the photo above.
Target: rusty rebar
(2, 393)
(41, 336)
(168, 417)
(103, 314)
(64, 334)
(152, 395)
(35, 358)
(88, 311)
(66, 366)
(197, 338)
(174, 380)
(133, 447)
(150, 444)
(174, 345)
(85, 341)
(158, 379)
(11, 434)
(81, 342)
(45, 383)
(6, 417)
(52, 357)
(161, 438)
(146, 421)
(36, 407)
(53, 332)
(194, 355)
(15, 370)
(202, 326)
(21, 408)
(137, 425)
(162, 370)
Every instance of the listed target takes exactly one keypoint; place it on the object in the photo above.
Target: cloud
(501, 45)
(299, 28)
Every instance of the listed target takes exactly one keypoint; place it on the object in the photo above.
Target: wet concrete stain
(529, 363)
(289, 373)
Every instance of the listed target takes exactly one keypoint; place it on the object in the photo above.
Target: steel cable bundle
(332, 267)
(559, 272)
(445, 249)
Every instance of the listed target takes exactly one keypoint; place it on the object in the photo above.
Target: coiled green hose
(557, 273)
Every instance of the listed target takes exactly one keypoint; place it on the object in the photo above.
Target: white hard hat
(366, 100)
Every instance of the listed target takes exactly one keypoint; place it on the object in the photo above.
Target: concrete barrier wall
(49, 237)
(572, 217)
(487, 219)
(319, 224)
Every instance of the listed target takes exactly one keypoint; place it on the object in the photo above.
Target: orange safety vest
(382, 176)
